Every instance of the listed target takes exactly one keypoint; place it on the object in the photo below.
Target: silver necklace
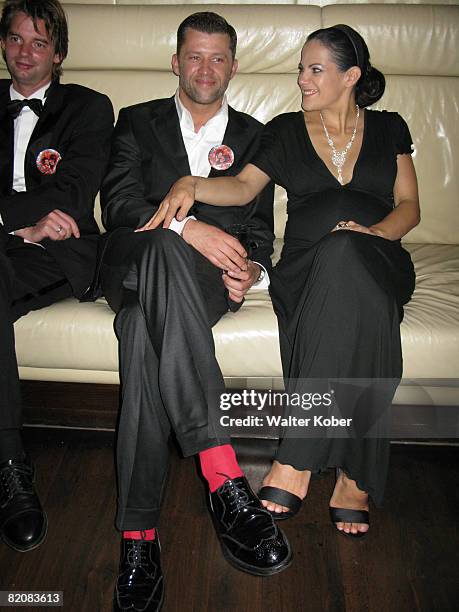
(339, 157)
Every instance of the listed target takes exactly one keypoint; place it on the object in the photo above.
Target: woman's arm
(406, 213)
(221, 191)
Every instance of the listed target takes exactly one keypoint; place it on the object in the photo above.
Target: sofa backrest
(302, 2)
(125, 52)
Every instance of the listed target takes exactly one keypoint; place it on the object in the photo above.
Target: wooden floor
(408, 563)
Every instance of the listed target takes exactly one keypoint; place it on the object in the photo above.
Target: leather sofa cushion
(75, 342)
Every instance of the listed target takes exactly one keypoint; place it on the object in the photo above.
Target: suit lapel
(165, 126)
(6, 141)
(234, 138)
(42, 137)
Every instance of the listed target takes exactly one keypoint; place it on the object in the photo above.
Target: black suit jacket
(148, 155)
(78, 123)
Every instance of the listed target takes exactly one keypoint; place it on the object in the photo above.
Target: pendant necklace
(339, 157)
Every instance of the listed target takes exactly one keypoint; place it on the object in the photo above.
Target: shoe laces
(238, 497)
(14, 480)
(257, 519)
(137, 553)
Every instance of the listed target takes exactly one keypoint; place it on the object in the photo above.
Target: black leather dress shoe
(23, 522)
(140, 585)
(250, 539)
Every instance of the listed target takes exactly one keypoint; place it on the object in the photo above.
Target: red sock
(145, 534)
(218, 464)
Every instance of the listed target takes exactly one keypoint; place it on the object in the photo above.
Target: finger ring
(59, 229)
(343, 224)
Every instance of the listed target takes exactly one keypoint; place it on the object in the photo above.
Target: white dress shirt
(24, 125)
(197, 145)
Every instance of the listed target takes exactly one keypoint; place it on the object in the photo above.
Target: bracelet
(261, 275)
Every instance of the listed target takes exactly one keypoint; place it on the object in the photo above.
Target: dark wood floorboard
(408, 563)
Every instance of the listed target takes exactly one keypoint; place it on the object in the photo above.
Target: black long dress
(339, 296)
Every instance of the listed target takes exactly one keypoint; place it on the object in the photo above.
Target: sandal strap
(345, 515)
(281, 497)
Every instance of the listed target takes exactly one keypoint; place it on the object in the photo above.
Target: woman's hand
(356, 227)
(177, 203)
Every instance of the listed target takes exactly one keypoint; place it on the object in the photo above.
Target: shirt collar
(40, 93)
(186, 120)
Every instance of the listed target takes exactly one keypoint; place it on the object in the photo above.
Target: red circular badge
(47, 161)
(221, 157)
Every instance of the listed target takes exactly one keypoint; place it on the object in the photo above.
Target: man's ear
(234, 68)
(175, 65)
(352, 76)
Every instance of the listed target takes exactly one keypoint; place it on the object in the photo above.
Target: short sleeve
(270, 157)
(403, 142)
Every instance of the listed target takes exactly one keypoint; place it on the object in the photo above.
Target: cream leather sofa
(124, 51)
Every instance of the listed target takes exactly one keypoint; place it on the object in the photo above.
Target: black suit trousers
(30, 279)
(167, 296)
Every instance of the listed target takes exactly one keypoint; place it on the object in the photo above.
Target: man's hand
(221, 249)
(239, 283)
(56, 225)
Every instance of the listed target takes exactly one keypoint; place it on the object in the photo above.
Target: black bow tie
(14, 107)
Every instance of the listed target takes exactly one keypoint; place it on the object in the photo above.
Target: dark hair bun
(370, 87)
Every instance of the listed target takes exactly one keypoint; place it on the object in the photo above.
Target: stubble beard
(199, 97)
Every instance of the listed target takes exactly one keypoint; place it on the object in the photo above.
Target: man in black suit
(54, 146)
(168, 287)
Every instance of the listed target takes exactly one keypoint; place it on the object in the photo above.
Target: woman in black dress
(343, 276)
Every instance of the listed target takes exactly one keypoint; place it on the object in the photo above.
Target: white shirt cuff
(13, 233)
(177, 226)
